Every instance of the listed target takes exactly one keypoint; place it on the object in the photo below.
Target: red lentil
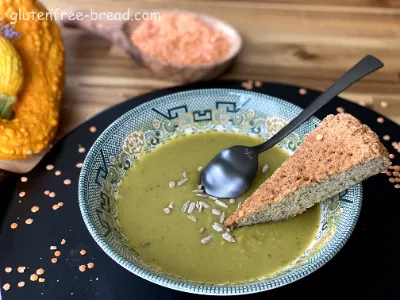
(8, 269)
(14, 225)
(82, 268)
(180, 38)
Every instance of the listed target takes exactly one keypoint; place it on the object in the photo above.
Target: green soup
(172, 241)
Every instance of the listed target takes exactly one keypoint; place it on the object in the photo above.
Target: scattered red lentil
(52, 195)
(57, 173)
(21, 284)
(90, 265)
(397, 179)
(388, 173)
(258, 83)
(81, 150)
(380, 120)
(40, 271)
(79, 165)
(14, 225)
(82, 268)
(8, 269)
(63, 242)
(42, 280)
(392, 180)
(24, 179)
(34, 277)
(47, 192)
(181, 38)
(29, 221)
(396, 168)
(6, 287)
(54, 260)
(247, 85)
(384, 104)
(22, 194)
(21, 269)
(391, 156)
(92, 129)
(60, 204)
(396, 173)
(340, 109)
(386, 137)
(57, 253)
(34, 209)
(397, 186)
(82, 252)
(49, 167)
(67, 181)
(55, 207)
(302, 91)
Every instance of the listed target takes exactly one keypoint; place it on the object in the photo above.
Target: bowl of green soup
(140, 197)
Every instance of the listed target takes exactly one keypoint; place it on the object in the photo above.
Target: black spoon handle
(364, 67)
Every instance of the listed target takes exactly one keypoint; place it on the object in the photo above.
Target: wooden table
(307, 44)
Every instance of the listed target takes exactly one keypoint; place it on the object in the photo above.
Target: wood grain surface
(308, 43)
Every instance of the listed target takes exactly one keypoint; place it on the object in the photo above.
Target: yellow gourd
(34, 122)
(11, 76)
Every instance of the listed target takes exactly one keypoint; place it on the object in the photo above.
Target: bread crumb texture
(346, 144)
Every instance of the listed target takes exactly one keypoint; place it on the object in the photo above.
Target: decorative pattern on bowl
(149, 125)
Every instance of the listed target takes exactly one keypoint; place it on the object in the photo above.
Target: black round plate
(367, 265)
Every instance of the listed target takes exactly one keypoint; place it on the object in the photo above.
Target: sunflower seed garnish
(192, 218)
(200, 208)
(218, 227)
(202, 195)
(206, 240)
(239, 205)
(265, 168)
(228, 230)
(220, 203)
(191, 208)
(200, 187)
(227, 237)
(171, 184)
(183, 181)
(185, 206)
(198, 191)
(232, 201)
(200, 169)
(204, 204)
(216, 212)
(222, 218)
(202, 229)
(171, 205)
(185, 174)
(197, 204)
(167, 210)
(213, 198)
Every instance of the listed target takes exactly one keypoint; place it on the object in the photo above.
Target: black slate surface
(366, 267)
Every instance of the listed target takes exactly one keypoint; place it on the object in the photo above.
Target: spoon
(231, 172)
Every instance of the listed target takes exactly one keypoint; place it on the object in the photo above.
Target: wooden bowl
(119, 32)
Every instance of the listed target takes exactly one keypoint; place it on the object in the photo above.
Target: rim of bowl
(196, 287)
(224, 27)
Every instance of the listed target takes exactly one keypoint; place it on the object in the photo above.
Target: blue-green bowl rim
(197, 288)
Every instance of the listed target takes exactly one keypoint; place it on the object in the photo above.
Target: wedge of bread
(339, 153)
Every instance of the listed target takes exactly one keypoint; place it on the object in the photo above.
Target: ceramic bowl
(148, 125)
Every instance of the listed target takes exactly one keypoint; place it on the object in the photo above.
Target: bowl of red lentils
(183, 46)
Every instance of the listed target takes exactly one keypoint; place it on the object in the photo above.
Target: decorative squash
(11, 76)
(35, 118)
